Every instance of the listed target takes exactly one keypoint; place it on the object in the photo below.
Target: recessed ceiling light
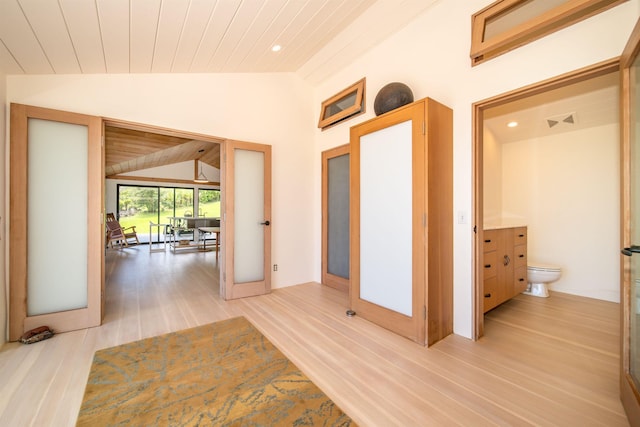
(276, 48)
(512, 124)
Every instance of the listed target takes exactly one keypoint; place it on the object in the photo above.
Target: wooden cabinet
(505, 265)
(401, 220)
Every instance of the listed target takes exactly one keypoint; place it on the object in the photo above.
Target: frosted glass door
(388, 217)
(338, 212)
(248, 252)
(57, 217)
(56, 229)
(336, 202)
(246, 220)
(385, 218)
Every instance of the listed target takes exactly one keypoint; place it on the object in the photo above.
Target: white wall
(273, 109)
(566, 188)
(492, 178)
(431, 55)
(4, 114)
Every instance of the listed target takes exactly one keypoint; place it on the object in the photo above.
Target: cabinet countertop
(500, 226)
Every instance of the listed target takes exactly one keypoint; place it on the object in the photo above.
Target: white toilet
(539, 276)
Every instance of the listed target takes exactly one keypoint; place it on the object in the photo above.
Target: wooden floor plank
(543, 361)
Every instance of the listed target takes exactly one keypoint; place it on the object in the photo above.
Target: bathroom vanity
(505, 264)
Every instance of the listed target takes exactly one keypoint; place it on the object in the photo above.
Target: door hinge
(424, 219)
(424, 312)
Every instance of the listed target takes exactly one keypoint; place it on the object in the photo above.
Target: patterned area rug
(224, 373)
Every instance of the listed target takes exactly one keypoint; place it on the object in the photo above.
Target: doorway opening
(523, 176)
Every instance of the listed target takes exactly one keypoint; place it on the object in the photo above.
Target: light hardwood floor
(542, 361)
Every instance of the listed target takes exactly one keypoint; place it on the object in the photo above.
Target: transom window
(508, 24)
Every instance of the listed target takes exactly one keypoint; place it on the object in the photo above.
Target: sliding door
(56, 232)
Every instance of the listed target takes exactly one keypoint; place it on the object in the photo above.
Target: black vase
(392, 96)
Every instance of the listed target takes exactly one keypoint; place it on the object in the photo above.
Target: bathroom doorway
(556, 172)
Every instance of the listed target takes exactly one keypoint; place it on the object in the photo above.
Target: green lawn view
(141, 220)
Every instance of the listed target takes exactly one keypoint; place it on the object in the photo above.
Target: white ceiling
(318, 38)
(193, 36)
(591, 103)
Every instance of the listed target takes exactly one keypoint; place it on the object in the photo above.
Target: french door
(246, 219)
(55, 220)
(630, 289)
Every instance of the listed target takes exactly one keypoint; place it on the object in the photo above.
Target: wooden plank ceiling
(317, 37)
(129, 150)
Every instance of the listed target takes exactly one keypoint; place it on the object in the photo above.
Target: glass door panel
(57, 200)
(184, 202)
(248, 216)
(137, 206)
(167, 205)
(338, 216)
(208, 203)
(386, 257)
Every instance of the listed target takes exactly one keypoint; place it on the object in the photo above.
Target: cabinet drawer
(490, 291)
(519, 280)
(520, 236)
(490, 240)
(520, 256)
(489, 264)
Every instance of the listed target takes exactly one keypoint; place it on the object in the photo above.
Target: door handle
(506, 260)
(265, 223)
(630, 251)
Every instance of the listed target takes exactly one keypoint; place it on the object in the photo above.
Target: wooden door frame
(629, 394)
(329, 279)
(580, 75)
(17, 226)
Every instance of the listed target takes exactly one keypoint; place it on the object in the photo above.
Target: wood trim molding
(161, 130)
(329, 117)
(536, 27)
(586, 73)
(166, 180)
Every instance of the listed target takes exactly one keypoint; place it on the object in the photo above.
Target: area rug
(224, 374)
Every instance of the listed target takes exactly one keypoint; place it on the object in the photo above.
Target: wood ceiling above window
(508, 24)
(129, 150)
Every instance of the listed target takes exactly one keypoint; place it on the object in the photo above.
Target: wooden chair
(115, 232)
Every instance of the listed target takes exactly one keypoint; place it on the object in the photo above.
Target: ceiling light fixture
(201, 179)
(276, 48)
(512, 124)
